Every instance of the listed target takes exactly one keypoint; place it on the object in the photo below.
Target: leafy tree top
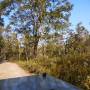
(32, 14)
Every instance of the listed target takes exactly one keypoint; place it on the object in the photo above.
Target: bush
(71, 68)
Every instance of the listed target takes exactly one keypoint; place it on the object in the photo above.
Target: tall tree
(31, 15)
(1, 42)
(76, 41)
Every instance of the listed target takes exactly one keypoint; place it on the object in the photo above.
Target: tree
(31, 15)
(1, 43)
(3, 5)
(76, 41)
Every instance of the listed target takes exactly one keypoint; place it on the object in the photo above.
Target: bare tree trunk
(26, 53)
(36, 40)
(35, 48)
(0, 54)
(27, 56)
(19, 56)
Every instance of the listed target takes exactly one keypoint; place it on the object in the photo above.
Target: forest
(40, 39)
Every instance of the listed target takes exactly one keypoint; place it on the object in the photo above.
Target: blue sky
(80, 13)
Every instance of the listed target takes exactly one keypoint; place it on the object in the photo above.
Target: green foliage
(1, 42)
(37, 13)
(69, 61)
(74, 69)
(6, 3)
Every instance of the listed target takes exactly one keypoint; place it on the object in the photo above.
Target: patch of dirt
(11, 70)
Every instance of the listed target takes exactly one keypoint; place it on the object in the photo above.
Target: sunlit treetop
(52, 13)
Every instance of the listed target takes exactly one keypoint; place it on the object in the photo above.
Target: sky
(80, 13)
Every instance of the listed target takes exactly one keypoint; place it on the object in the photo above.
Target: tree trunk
(26, 53)
(36, 39)
(0, 54)
(35, 48)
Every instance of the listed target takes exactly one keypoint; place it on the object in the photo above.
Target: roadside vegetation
(38, 37)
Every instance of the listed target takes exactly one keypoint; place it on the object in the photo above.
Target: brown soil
(11, 70)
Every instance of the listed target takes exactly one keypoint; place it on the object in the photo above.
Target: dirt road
(11, 70)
